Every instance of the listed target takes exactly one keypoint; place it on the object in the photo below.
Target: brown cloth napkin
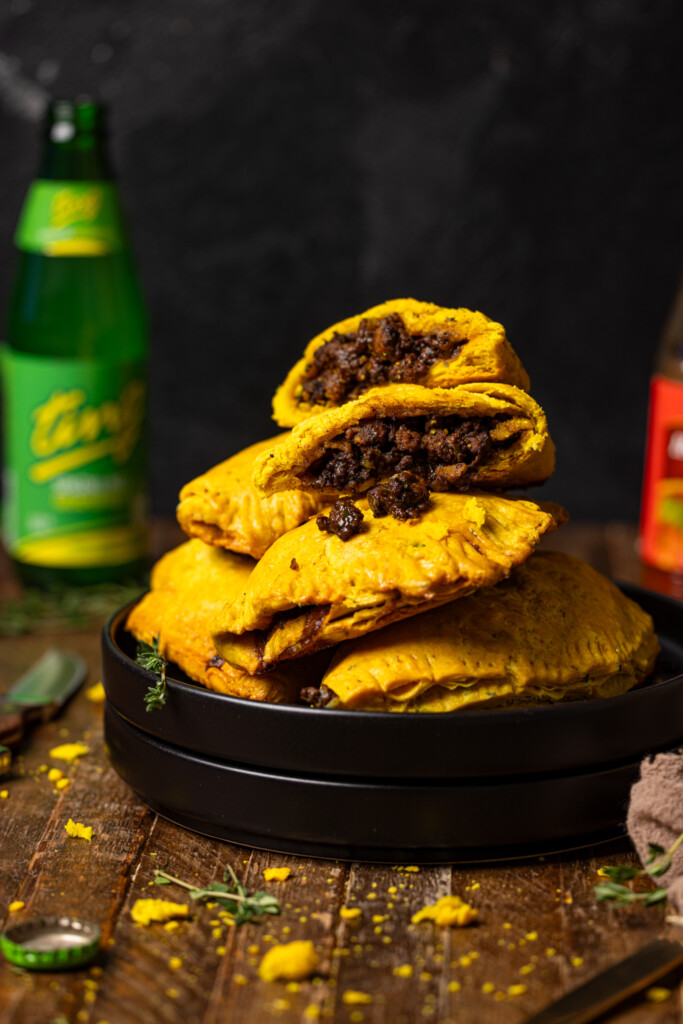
(655, 815)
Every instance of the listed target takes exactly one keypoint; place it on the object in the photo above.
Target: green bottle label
(71, 218)
(75, 493)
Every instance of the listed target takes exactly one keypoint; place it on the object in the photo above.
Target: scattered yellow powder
(148, 911)
(55, 774)
(292, 961)
(69, 752)
(171, 926)
(465, 961)
(550, 951)
(454, 986)
(527, 969)
(372, 896)
(217, 932)
(356, 1016)
(62, 784)
(253, 949)
(413, 868)
(293, 986)
(425, 976)
(499, 997)
(379, 918)
(516, 990)
(4, 793)
(175, 962)
(353, 998)
(95, 693)
(404, 971)
(568, 898)
(42, 769)
(172, 993)
(240, 979)
(507, 925)
(531, 936)
(449, 910)
(473, 955)
(488, 987)
(89, 983)
(280, 1005)
(77, 830)
(312, 1012)
(658, 995)
(276, 874)
(16, 905)
(392, 889)
(576, 961)
(220, 950)
(474, 512)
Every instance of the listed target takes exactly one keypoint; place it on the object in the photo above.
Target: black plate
(371, 820)
(475, 745)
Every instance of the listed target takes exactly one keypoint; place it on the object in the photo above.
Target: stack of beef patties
(372, 557)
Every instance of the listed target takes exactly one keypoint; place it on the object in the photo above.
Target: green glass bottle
(74, 370)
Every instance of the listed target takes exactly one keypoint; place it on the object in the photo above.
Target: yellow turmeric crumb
(276, 874)
(280, 1005)
(473, 955)
(372, 896)
(55, 774)
(507, 925)
(240, 979)
(356, 1016)
(171, 926)
(499, 997)
(425, 976)
(551, 951)
(516, 990)
(568, 898)
(404, 971)
(292, 961)
(576, 961)
(69, 752)
(148, 911)
(216, 933)
(4, 793)
(353, 998)
(531, 936)
(488, 987)
(465, 961)
(454, 986)
(175, 962)
(350, 913)
(220, 950)
(658, 995)
(312, 1012)
(527, 969)
(95, 693)
(449, 910)
(62, 784)
(379, 918)
(413, 868)
(77, 830)
(42, 769)
(172, 993)
(16, 905)
(293, 986)
(253, 949)
(392, 889)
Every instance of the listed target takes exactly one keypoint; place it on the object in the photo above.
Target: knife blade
(610, 987)
(40, 692)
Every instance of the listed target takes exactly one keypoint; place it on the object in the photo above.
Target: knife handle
(11, 727)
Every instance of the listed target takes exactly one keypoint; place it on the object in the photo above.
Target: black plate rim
(540, 711)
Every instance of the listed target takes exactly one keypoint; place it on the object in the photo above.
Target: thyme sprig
(148, 656)
(230, 894)
(619, 895)
(45, 611)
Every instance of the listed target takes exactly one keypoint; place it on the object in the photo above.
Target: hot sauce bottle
(661, 520)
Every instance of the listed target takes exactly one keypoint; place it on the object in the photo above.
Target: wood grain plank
(76, 877)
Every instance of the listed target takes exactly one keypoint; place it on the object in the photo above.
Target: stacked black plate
(383, 787)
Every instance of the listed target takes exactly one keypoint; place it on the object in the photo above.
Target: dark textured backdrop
(288, 164)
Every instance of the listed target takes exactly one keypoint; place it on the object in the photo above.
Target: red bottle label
(661, 518)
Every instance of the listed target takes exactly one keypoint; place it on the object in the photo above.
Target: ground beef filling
(316, 697)
(344, 519)
(441, 451)
(379, 352)
(403, 496)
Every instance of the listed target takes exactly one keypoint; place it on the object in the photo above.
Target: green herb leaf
(621, 872)
(658, 863)
(655, 851)
(230, 894)
(148, 657)
(658, 896)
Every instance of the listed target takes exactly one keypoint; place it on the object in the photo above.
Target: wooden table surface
(538, 924)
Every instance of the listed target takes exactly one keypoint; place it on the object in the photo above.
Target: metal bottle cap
(51, 943)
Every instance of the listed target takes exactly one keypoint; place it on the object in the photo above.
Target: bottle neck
(81, 158)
